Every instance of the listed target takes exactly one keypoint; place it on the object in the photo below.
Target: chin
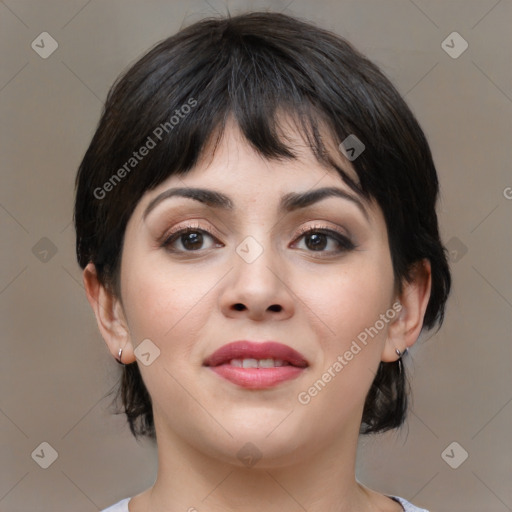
(262, 445)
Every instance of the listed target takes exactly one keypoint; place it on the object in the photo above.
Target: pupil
(318, 241)
(193, 240)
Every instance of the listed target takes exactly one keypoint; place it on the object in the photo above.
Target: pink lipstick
(256, 365)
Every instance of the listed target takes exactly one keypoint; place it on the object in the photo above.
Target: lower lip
(257, 378)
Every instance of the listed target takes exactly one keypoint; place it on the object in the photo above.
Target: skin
(316, 301)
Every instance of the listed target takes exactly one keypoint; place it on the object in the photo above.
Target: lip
(256, 350)
(256, 378)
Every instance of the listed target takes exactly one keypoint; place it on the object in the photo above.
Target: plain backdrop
(55, 369)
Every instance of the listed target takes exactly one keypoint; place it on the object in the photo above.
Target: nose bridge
(257, 284)
(253, 260)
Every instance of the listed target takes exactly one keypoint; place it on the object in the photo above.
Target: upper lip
(255, 350)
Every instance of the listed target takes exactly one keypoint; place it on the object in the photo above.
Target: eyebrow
(289, 202)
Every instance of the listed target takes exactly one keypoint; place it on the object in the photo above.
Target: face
(315, 276)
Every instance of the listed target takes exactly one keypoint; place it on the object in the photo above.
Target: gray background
(54, 366)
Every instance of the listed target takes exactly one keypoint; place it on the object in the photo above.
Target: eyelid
(191, 225)
(344, 239)
(325, 227)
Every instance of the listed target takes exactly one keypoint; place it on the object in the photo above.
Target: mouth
(256, 365)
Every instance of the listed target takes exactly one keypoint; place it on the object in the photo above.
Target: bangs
(172, 106)
(236, 78)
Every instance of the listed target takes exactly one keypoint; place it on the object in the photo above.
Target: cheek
(165, 305)
(170, 309)
(352, 338)
(348, 301)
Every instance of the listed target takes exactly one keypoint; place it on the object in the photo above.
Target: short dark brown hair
(252, 66)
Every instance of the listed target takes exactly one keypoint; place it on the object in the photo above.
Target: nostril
(240, 307)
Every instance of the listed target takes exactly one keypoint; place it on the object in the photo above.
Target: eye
(315, 239)
(323, 239)
(189, 239)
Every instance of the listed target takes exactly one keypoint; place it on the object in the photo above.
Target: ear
(109, 316)
(405, 329)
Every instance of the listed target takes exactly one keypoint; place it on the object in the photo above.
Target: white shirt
(122, 506)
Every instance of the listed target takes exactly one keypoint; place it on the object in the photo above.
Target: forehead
(231, 159)
(231, 175)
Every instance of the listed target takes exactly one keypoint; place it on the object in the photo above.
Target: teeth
(257, 363)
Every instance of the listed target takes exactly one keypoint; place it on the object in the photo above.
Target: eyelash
(343, 241)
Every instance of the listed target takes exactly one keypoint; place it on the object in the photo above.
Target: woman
(256, 225)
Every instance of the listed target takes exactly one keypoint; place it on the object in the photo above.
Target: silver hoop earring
(401, 354)
(399, 360)
(119, 355)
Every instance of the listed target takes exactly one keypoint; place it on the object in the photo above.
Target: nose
(257, 290)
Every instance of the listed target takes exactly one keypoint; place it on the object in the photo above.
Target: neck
(316, 478)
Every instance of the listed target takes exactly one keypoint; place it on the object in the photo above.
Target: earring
(400, 355)
(118, 359)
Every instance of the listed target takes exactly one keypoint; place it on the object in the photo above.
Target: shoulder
(120, 506)
(408, 507)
